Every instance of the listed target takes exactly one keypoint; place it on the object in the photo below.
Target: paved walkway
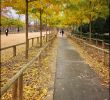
(74, 79)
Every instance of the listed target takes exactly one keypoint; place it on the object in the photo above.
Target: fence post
(92, 41)
(32, 42)
(20, 82)
(96, 42)
(28, 43)
(14, 51)
(46, 37)
(83, 45)
(37, 39)
(39, 60)
(104, 53)
(43, 38)
(14, 90)
(103, 44)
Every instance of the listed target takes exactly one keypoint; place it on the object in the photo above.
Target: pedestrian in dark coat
(6, 32)
(62, 32)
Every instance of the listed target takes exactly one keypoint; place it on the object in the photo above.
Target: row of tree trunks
(26, 53)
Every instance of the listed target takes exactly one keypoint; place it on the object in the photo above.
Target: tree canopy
(62, 13)
(6, 22)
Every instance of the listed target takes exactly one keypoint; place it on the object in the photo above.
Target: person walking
(6, 32)
(62, 32)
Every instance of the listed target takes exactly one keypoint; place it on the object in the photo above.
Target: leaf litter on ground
(36, 79)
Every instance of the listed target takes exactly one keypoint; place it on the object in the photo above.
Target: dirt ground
(12, 39)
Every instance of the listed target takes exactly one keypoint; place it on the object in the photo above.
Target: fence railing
(17, 80)
(14, 47)
(97, 42)
(101, 53)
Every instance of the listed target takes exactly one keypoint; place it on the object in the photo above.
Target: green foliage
(100, 25)
(74, 12)
(6, 22)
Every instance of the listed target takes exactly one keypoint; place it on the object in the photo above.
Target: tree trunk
(35, 28)
(90, 19)
(40, 27)
(90, 28)
(81, 28)
(26, 18)
(46, 29)
(18, 29)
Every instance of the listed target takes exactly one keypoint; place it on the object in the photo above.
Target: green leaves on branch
(75, 12)
(11, 22)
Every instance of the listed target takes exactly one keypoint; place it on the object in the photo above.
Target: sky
(12, 13)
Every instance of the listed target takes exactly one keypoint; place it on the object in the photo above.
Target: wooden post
(20, 82)
(96, 42)
(104, 60)
(104, 54)
(14, 91)
(39, 60)
(84, 47)
(14, 51)
(47, 37)
(32, 42)
(28, 43)
(103, 44)
(44, 38)
(37, 39)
